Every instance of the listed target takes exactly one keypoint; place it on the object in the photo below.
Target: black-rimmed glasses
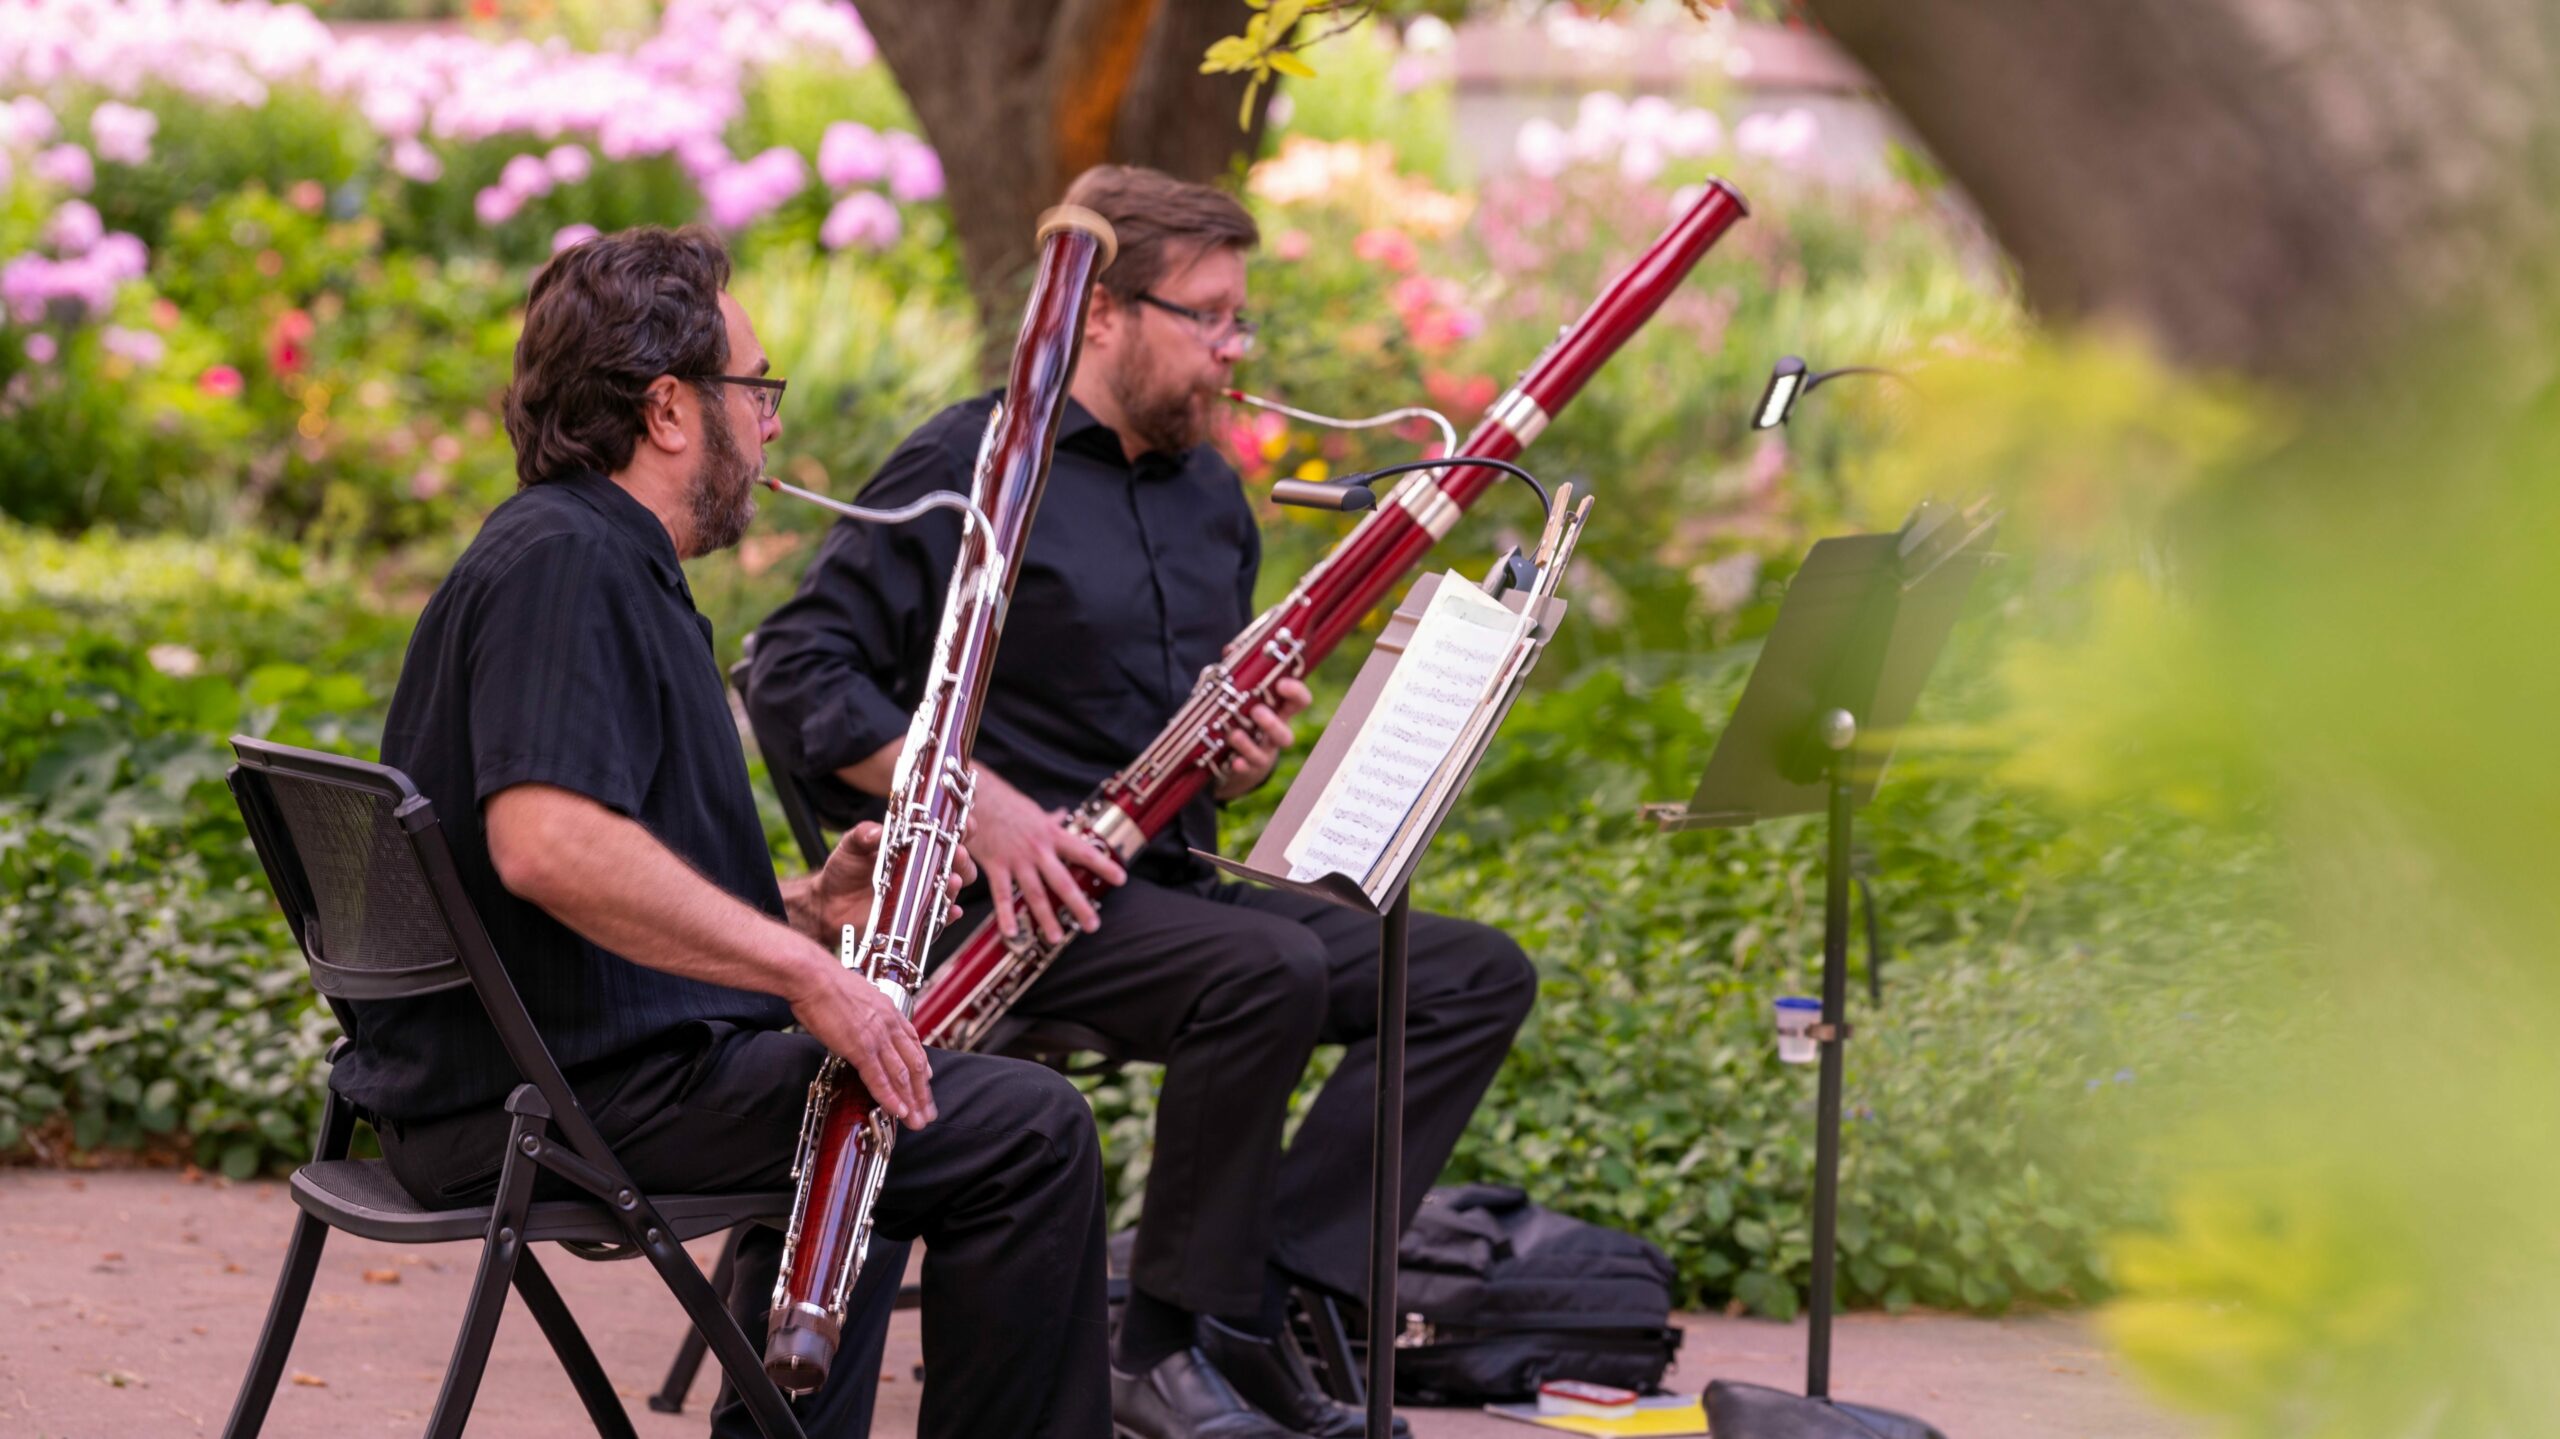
(1215, 329)
(768, 393)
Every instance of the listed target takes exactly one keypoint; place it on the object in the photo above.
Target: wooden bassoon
(985, 976)
(846, 1138)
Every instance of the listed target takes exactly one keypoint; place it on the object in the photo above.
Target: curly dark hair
(604, 319)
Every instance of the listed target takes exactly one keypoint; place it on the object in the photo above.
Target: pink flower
(140, 346)
(26, 121)
(1292, 245)
(496, 205)
(1393, 249)
(122, 133)
(1787, 138)
(75, 226)
(68, 166)
(851, 153)
(119, 257)
(307, 196)
(289, 342)
(915, 172)
(1542, 148)
(745, 193)
(570, 164)
(1412, 72)
(861, 218)
(1434, 313)
(1464, 395)
(568, 235)
(41, 348)
(525, 177)
(414, 161)
(220, 381)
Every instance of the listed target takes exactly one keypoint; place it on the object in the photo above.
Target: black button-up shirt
(1135, 578)
(564, 649)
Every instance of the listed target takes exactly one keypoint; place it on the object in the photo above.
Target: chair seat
(361, 1197)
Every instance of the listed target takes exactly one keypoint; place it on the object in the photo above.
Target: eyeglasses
(768, 393)
(1215, 329)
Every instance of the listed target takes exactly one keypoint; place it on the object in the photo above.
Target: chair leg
(275, 1341)
(293, 1284)
(670, 1396)
(710, 1316)
(533, 1283)
(500, 1252)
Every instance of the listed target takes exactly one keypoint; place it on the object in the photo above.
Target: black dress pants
(1005, 1189)
(1232, 987)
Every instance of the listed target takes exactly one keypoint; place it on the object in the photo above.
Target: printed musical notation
(1447, 673)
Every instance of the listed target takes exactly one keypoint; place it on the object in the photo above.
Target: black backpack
(1499, 1295)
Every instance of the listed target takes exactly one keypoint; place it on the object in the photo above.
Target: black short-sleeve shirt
(1135, 577)
(563, 649)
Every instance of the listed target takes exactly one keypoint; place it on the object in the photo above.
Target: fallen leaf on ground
(382, 1276)
(120, 1378)
(309, 1381)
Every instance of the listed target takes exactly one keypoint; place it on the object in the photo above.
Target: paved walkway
(129, 1301)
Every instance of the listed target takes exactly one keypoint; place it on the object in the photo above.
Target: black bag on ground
(1499, 1295)
(1755, 1411)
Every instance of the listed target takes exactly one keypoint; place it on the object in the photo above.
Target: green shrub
(151, 996)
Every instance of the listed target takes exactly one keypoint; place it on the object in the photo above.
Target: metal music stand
(1862, 625)
(1268, 865)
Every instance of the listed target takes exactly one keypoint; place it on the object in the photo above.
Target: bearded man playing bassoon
(1141, 565)
(561, 705)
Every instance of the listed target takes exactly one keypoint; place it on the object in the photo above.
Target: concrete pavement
(129, 1301)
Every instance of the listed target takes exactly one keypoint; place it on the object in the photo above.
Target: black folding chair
(1053, 1042)
(360, 866)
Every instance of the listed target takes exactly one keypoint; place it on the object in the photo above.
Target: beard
(1165, 416)
(724, 486)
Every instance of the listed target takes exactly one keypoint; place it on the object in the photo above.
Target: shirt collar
(636, 521)
(1079, 430)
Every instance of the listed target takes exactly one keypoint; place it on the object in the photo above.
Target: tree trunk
(1019, 96)
(2285, 187)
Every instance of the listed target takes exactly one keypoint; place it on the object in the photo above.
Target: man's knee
(1488, 973)
(1039, 1103)
(1275, 973)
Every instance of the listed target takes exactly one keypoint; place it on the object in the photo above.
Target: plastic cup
(1796, 1018)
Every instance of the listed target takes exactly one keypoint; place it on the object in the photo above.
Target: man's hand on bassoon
(840, 894)
(858, 1023)
(1030, 856)
(1253, 751)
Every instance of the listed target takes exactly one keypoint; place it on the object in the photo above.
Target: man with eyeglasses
(1141, 566)
(562, 706)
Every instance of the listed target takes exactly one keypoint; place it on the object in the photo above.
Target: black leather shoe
(1273, 1376)
(1184, 1397)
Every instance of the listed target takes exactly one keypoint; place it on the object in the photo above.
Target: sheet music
(1443, 678)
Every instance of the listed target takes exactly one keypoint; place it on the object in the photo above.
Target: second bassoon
(982, 979)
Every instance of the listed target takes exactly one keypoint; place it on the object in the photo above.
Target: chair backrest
(335, 836)
(799, 806)
(358, 861)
